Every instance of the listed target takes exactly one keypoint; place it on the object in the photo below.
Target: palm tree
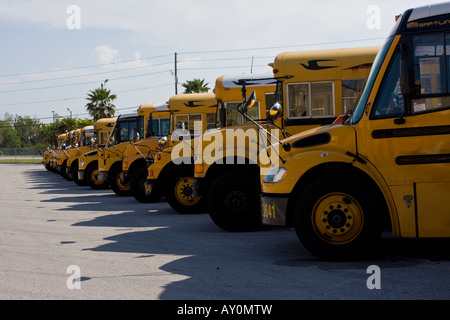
(100, 103)
(195, 86)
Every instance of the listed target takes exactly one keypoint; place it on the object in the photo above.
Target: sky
(53, 52)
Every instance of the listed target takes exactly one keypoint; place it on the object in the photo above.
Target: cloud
(196, 25)
(106, 54)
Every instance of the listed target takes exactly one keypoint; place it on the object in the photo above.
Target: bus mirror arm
(241, 108)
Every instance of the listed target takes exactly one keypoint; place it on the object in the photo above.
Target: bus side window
(430, 73)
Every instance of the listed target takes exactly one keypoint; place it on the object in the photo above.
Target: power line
(154, 73)
(80, 83)
(221, 67)
(84, 75)
(186, 53)
(281, 47)
(127, 69)
(76, 98)
(85, 67)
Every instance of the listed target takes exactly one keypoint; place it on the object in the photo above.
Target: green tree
(100, 103)
(8, 136)
(50, 132)
(195, 86)
(28, 130)
(81, 123)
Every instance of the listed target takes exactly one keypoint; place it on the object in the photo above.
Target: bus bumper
(81, 175)
(149, 187)
(274, 210)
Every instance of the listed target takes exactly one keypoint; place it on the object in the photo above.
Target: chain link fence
(22, 155)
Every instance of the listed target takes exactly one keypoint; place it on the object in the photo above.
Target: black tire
(179, 191)
(137, 178)
(120, 189)
(91, 174)
(233, 201)
(338, 217)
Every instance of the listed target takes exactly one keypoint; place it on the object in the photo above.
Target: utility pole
(176, 74)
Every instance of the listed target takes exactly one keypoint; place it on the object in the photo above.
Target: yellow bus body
(110, 159)
(84, 144)
(340, 185)
(102, 129)
(313, 88)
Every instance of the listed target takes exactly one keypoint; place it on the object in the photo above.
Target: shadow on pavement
(270, 264)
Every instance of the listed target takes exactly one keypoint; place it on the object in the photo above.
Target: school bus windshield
(359, 110)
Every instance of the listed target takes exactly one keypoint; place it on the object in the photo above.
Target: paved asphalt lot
(121, 249)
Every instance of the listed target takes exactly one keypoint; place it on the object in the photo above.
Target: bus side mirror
(275, 111)
(249, 102)
(163, 141)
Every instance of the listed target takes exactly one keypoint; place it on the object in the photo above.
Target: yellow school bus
(128, 129)
(138, 153)
(193, 114)
(312, 89)
(179, 190)
(68, 153)
(88, 162)
(47, 155)
(229, 94)
(386, 166)
(85, 144)
(62, 142)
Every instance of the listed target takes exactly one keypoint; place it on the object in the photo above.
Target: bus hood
(328, 138)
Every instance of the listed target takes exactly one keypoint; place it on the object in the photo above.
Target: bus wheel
(137, 184)
(233, 201)
(119, 188)
(92, 177)
(338, 217)
(180, 192)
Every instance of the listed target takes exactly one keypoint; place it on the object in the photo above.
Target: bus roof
(104, 123)
(72, 133)
(253, 80)
(127, 116)
(63, 136)
(429, 11)
(150, 108)
(87, 128)
(328, 64)
(193, 103)
(228, 87)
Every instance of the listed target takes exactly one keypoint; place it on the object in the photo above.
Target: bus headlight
(275, 175)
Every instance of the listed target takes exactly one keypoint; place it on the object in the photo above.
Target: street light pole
(104, 82)
(176, 73)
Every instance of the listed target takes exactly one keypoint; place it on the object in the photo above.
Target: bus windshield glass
(359, 111)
